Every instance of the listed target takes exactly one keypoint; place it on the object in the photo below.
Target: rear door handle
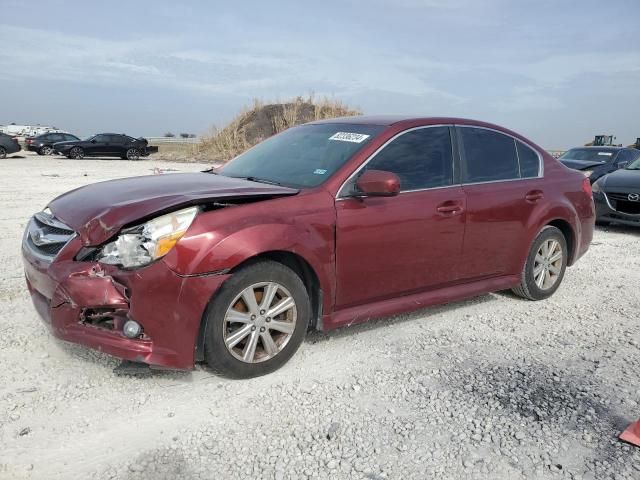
(449, 208)
(534, 196)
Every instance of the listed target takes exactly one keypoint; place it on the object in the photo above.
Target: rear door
(502, 180)
(389, 246)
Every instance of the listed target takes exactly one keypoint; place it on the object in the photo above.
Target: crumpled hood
(625, 181)
(98, 211)
(580, 164)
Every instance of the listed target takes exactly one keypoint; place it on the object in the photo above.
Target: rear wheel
(3, 152)
(545, 266)
(46, 150)
(133, 154)
(76, 153)
(256, 321)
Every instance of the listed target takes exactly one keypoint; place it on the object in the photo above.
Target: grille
(621, 203)
(46, 236)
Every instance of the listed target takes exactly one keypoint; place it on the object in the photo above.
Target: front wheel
(133, 154)
(545, 266)
(256, 321)
(76, 153)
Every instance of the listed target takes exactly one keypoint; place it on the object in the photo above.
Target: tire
(3, 152)
(46, 150)
(133, 154)
(531, 289)
(76, 153)
(229, 303)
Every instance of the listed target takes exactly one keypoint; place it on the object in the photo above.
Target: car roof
(389, 120)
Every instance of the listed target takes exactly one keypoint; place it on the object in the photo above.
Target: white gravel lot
(494, 387)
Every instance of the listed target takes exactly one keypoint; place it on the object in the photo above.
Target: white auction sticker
(349, 137)
(607, 154)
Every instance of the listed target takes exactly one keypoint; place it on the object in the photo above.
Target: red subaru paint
(326, 224)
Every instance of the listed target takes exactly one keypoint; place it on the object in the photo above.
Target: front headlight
(587, 173)
(150, 241)
(595, 188)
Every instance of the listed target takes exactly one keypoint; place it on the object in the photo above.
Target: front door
(389, 246)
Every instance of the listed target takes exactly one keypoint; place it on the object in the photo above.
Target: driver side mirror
(93, 141)
(622, 164)
(378, 183)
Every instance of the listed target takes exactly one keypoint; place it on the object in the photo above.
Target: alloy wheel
(133, 154)
(260, 322)
(46, 150)
(547, 265)
(77, 153)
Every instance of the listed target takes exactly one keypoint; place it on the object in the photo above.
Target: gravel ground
(493, 387)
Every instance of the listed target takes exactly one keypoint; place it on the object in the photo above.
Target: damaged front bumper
(88, 303)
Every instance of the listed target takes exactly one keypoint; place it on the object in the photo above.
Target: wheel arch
(569, 235)
(300, 267)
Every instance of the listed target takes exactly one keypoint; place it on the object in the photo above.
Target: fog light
(131, 329)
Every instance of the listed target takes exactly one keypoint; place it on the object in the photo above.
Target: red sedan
(326, 224)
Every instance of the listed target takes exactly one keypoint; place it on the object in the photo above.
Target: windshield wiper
(260, 180)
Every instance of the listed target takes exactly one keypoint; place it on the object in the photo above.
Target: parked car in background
(617, 196)
(323, 225)
(594, 162)
(106, 145)
(43, 144)
(8, 145)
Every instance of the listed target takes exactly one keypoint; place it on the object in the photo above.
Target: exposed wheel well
(569, 236)
(296, 263)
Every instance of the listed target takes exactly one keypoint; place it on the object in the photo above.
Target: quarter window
(529, 161)
(421, 158)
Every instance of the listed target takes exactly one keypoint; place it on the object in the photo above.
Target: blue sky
(556, 71)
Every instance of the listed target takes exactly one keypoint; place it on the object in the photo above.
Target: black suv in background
(8, 145)
(43, 144)
(106, 145)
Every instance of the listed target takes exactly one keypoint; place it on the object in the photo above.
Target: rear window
(488, 156)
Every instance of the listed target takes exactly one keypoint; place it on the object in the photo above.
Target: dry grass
(262, 120)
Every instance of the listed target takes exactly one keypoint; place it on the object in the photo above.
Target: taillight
(586, 187)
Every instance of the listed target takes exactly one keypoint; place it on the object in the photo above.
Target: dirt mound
(263, 120)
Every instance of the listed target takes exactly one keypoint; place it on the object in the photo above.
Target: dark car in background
(43, 144)
(617, 196)
(595, 162)
(8, 145)
(106, 145)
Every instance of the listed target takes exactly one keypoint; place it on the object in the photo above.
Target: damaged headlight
(150, 241)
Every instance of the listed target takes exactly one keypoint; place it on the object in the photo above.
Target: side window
(56, 137)
(627, 156)
(488, 156)
(421, 158)
(70, 137)
(101, 138)
(529, 161)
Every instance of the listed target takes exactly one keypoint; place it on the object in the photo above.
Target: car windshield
(635, 165)
(589, 155)
(303, 156)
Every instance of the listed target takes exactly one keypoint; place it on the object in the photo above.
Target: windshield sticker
(349, 137)
(319, 171)
(606, 154)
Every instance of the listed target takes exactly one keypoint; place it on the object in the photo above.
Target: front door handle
(449, 208)
(534, 196)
